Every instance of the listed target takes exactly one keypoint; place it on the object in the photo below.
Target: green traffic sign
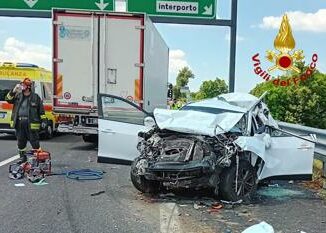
(181, 8)
(47, 5)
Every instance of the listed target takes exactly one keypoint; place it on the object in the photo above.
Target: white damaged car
(227, 144)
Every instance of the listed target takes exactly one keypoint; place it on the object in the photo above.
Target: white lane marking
(13, 158)
(169, 218)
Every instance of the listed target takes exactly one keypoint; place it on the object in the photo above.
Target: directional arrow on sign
(208, 10)
(31, 3)
(101, 5)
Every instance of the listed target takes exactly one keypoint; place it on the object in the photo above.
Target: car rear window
(5, 87)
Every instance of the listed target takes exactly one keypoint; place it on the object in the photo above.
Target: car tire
(140, 182)
(247, 180)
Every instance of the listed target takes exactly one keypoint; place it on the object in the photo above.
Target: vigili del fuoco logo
(284, 58)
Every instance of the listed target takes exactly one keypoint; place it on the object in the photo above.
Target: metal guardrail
(320, 149)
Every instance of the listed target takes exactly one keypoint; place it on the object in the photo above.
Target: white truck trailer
(109, 53)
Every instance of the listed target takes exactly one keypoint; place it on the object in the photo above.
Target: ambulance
(13, 73)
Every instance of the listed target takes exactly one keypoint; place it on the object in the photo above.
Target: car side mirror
(149, 122)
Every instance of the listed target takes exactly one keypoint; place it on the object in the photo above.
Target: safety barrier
(320, 149)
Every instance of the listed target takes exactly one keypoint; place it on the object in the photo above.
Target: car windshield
(5, 87)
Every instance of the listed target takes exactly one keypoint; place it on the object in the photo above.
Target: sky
(205, 49)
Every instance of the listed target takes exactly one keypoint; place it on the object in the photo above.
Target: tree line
(301, 103)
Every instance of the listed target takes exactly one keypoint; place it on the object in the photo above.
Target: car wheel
(246, 182)
(140, 182)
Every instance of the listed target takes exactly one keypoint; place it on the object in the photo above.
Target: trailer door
(75, 60)
(121, 56)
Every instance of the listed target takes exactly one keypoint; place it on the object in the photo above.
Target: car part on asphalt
(259, 228)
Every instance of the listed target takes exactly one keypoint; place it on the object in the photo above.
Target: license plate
(2, 115)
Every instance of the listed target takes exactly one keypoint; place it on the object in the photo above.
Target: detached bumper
(77, 129)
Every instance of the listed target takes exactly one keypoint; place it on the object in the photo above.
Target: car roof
(239, 99)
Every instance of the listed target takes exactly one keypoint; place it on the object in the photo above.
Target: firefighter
(27, 116)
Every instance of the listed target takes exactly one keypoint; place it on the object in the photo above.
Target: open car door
(288, 157)
(119, 123)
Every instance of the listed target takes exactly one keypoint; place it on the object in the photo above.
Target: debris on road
(41, 182)
(215, 207)
(98, 193)
(280, 193)
(262, 227)
(197, 207)
(167, 195)
(20, 185)
(231, 202)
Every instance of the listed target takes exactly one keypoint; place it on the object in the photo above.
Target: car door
(288, 157)
(119, 123)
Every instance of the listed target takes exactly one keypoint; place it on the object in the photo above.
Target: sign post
(176, 8)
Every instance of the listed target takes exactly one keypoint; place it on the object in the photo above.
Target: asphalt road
(113, 205)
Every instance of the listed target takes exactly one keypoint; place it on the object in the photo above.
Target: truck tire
(247, 182)
(91, 138)
(140, 182)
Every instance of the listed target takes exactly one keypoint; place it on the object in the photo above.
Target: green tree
(210, 89)
(304, 103)
(182, 80)
(183, 77)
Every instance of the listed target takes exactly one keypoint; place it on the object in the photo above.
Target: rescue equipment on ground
(37, 166)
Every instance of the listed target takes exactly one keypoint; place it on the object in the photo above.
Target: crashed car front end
(224, 144)
(179, 160)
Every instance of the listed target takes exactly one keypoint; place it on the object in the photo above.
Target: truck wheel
(140, 182)
(247, 182)
(90, 138)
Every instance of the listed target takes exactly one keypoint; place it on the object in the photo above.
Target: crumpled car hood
(194, 122)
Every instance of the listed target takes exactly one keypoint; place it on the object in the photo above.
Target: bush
(304, 103)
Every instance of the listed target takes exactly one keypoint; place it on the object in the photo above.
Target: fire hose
(81, 174)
